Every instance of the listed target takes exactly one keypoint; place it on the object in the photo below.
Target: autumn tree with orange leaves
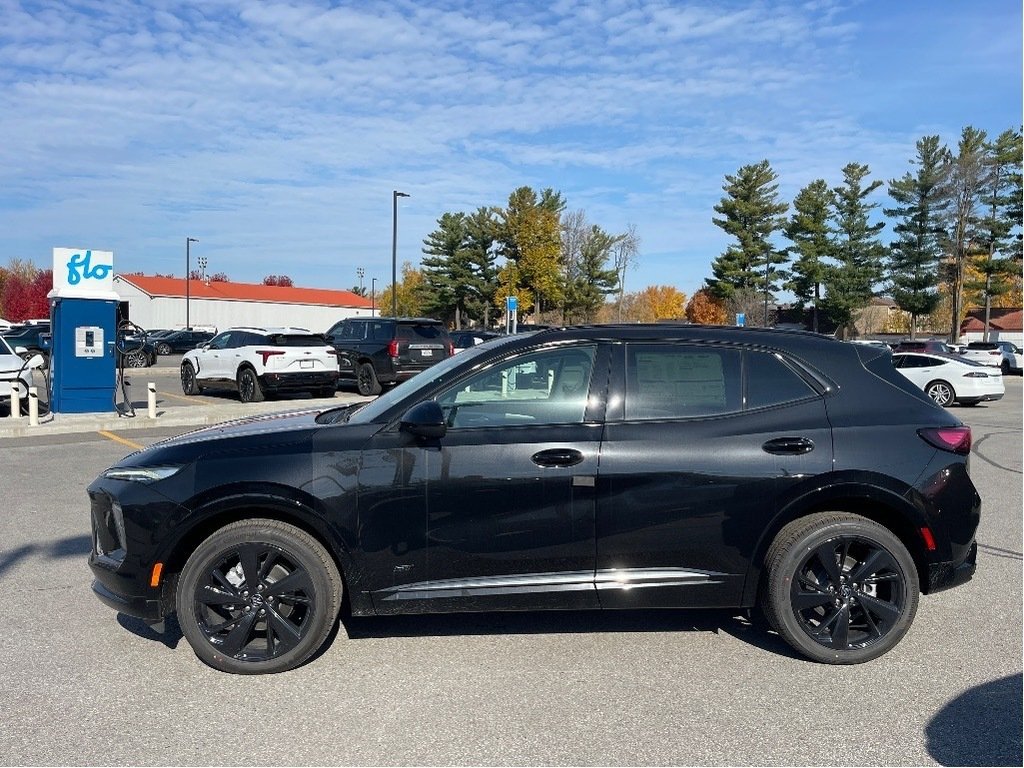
(705, 309)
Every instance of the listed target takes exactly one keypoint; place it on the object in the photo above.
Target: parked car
(928, 345)
(1002, 354)
(262, 361)
(948, 378)
(33, 337)
(181, 341)
(463, 340)
(16, 369)
(608, 467)
(375, 351)
(873, 343)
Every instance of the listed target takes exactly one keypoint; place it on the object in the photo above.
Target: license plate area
(305, 363)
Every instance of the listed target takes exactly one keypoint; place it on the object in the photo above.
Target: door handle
(788, 446)
(557, 457)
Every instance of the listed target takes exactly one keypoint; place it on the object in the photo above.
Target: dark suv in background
(374, 351)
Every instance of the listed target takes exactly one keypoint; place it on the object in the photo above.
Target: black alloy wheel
(258, 596)
(841, 589)
(163, 349)
(1005, 367)
(189, 385)
(941, 392)
(249, 389)
(366, 380)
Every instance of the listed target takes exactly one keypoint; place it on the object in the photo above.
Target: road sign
(741, 318)
(511, 303)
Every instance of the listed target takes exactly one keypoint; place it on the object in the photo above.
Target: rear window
(982, 345)
(296, 340)
(421, 331)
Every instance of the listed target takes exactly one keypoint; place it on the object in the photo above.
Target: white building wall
(1014, 337)
(150, 312)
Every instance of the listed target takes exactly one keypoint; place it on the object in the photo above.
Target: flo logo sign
(83, 272)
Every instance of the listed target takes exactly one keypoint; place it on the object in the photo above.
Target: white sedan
(948, 378)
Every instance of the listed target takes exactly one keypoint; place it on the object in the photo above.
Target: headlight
(140, 474)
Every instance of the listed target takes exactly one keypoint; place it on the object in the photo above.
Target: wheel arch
(877, 504)
(210, 518)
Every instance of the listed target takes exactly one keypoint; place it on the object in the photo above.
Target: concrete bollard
(151, 388)
(15, 400)
(33, 406)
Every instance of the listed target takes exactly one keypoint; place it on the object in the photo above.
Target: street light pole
(395, 194)
(188, 275)
(373, 297)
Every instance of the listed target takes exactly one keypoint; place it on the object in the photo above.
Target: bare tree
(624, 255)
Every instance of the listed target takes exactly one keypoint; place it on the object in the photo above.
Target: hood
(271, 423)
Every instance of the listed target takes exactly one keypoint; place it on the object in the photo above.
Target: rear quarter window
(421, 331)
(771, 382)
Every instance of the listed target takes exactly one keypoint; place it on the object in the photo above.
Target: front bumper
(148, 609)
(946, 575)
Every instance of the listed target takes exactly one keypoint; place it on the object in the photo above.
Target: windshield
(423, 381)
(5, 348)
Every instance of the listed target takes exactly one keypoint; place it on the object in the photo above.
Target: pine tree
(998, 231)
(921, 200)
(529, 239)
(812, 243)
(966, 177)
(590, 279)
(446, 269)
(752, 213)
(850, 283)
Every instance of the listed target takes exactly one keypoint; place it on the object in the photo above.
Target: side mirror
(424, 419)
(21, 351)
(36, 361)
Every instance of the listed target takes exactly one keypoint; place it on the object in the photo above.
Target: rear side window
(420, 331)
(296, 340)
(771, 382)
(665, 381)
(381, 331)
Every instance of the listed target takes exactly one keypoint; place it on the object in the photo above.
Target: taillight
(976, 375)
(953, 439)
(393, 348)
(994, 352)
(268, 353)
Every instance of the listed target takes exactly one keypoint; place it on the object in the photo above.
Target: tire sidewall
(783, 570)
(326, 594)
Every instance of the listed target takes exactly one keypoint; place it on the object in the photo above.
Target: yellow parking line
(191, 399)
(118, 439)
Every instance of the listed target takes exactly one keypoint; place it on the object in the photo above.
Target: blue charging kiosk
(83, 323)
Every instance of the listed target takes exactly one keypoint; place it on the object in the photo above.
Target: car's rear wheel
(941, 392)
(189, 384)
(1005, 367)
(163, 349)
(366, 380)
(258, 596)
(249, 389)
(841, 589)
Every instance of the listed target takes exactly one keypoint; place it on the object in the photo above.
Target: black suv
(387, 350)
(644, 466)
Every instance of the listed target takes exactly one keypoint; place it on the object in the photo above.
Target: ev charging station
(83, 323)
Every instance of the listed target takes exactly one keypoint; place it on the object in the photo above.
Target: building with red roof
(1005, 324)
(159, 302)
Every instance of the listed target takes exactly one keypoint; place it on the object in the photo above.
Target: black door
(695, 457)
(506, 499)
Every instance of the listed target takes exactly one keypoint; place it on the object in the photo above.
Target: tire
(257, 597)
(249, 388)
(189, 383)
(840, 589)
(1005, 367)
(941, 392)
(163, 349)
(366, 380)
(136, 359)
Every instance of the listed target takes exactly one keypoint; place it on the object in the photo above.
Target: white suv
(1003, 354)
(261, 362)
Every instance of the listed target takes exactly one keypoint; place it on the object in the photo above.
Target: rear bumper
(946, 575)
(298, 382)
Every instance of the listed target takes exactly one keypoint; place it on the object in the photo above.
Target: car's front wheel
(841, 589)
(249, 388)
(189, 384)
(941, 392)
(136, 359)
(258, 596)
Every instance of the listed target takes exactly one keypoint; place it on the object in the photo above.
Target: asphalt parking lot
(83, 685)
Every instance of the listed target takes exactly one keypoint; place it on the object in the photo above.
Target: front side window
(546, 387)
(669, 381)
(222, 341)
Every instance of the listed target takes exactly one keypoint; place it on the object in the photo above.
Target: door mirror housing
(36, 361)
(424, 419)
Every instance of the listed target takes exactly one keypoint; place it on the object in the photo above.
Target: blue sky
(275, 132)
